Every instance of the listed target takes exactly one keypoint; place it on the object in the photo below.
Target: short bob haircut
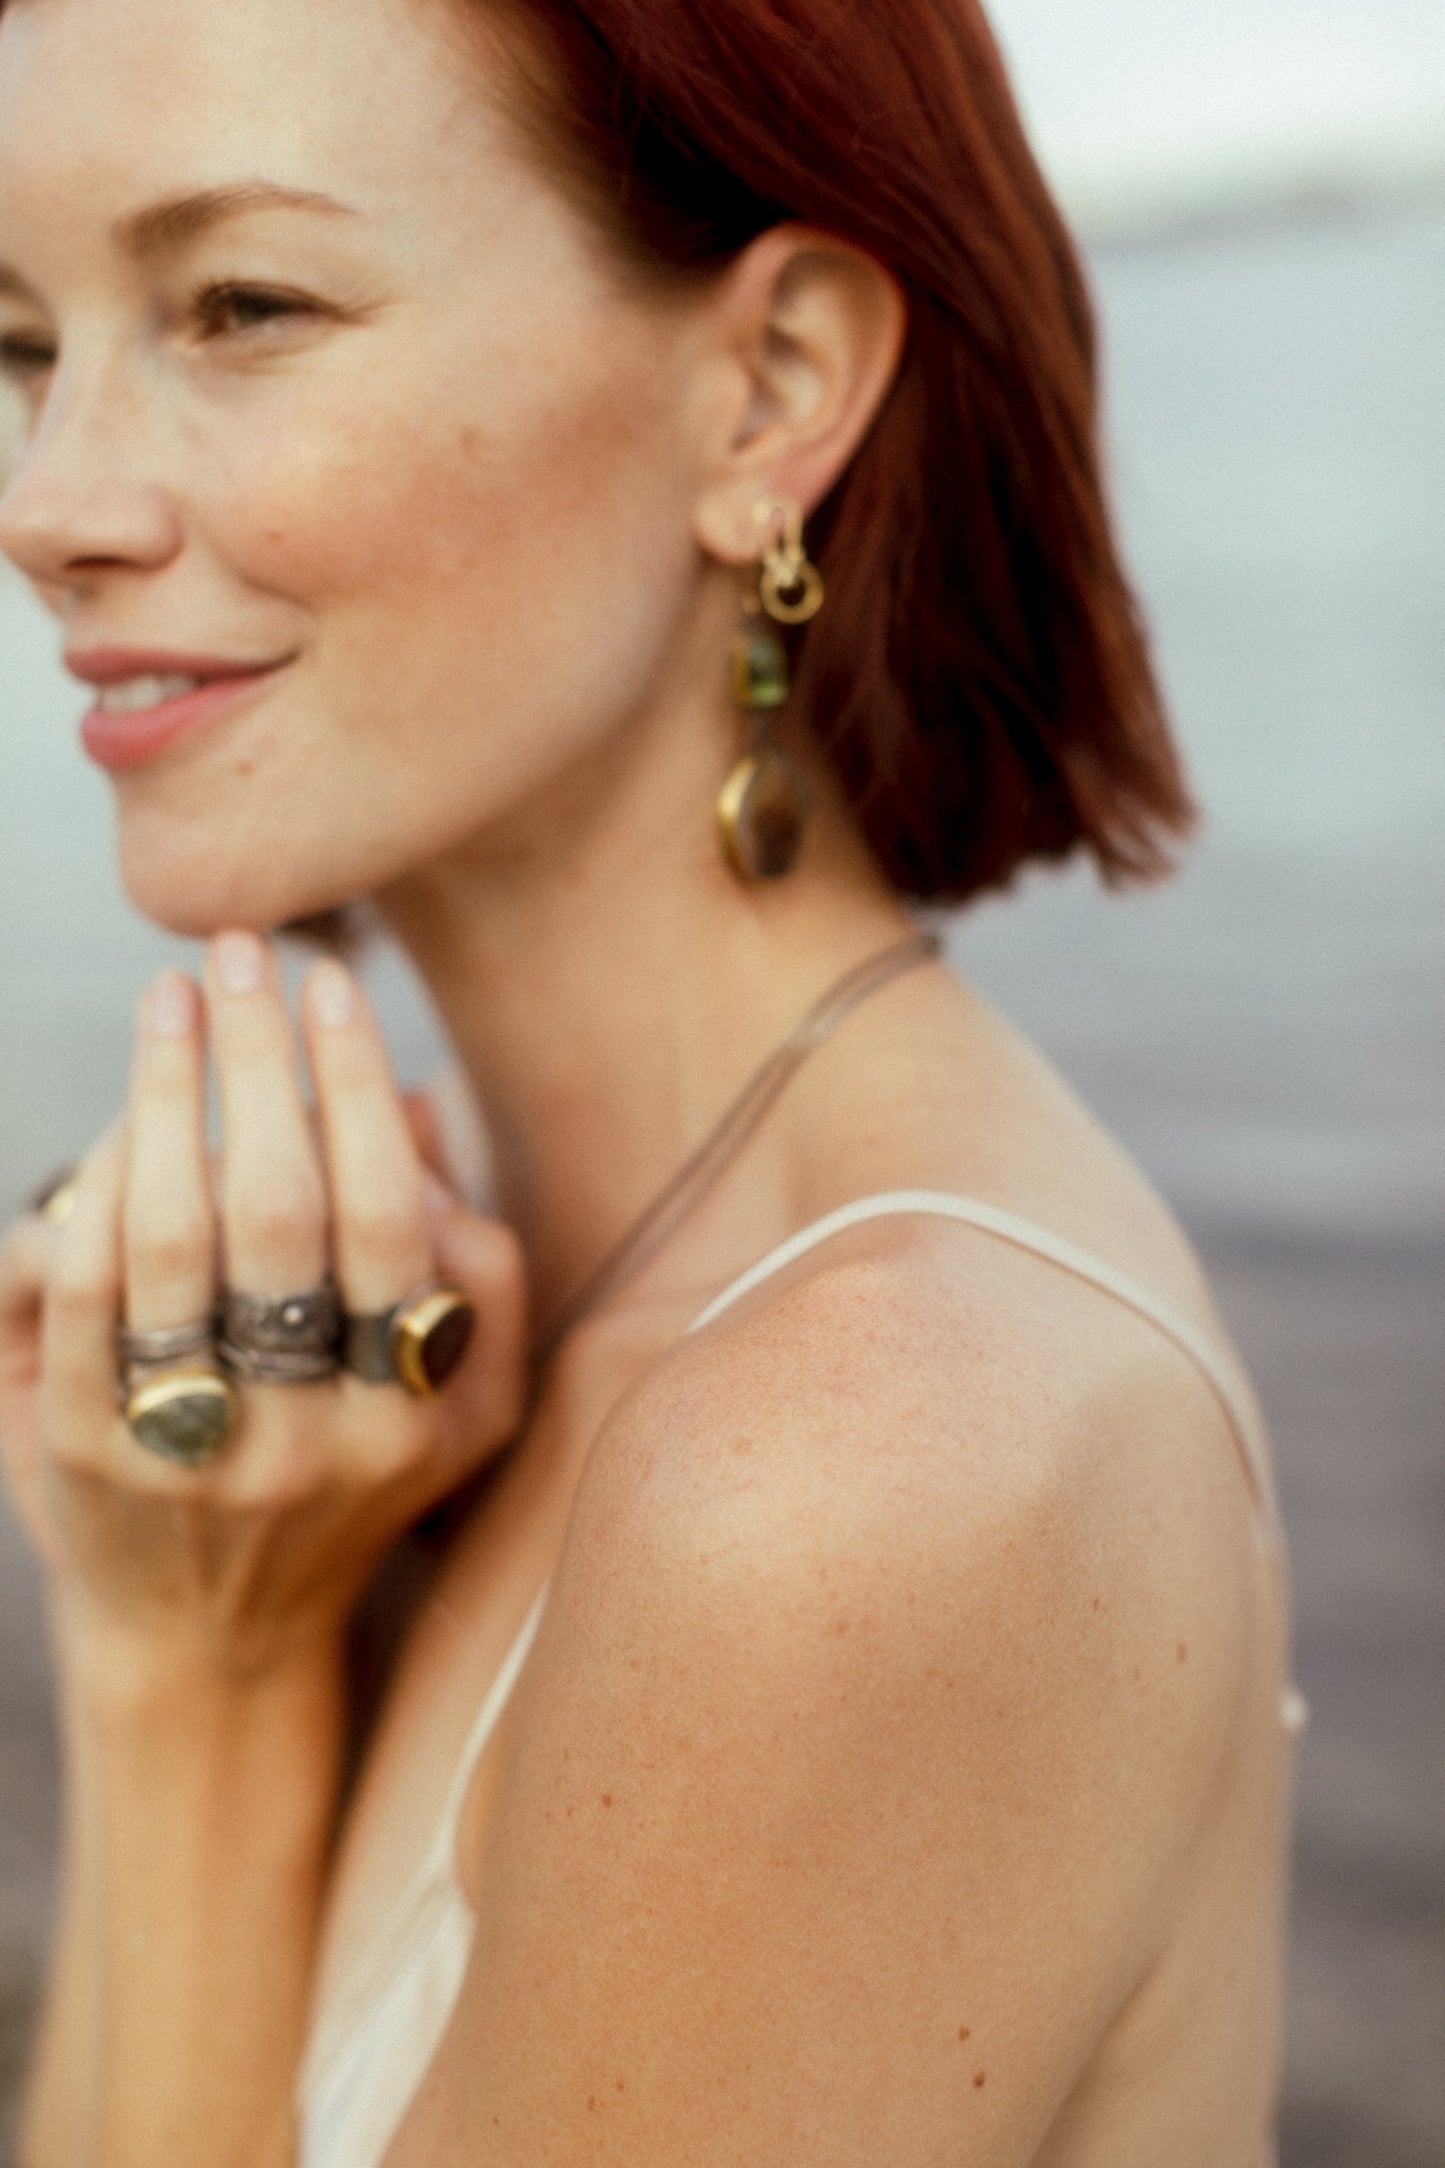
(979, 680)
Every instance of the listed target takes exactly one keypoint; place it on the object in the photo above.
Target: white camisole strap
(989, 1219)
(489, 1716)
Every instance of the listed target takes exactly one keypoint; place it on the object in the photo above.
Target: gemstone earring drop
(765, 802)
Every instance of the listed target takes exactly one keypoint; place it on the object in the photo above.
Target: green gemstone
(760, 670)
(187, 1426)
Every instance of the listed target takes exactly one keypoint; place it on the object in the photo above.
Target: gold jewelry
(764, 805)
(185, 1416)
(656, 1226)
(761, 679)
(791, 588)
(762, 814)
(418, 1343)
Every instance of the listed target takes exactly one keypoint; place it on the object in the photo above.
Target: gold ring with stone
(418, 1343)
(185, 1416)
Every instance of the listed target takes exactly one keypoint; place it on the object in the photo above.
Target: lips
(150, 700)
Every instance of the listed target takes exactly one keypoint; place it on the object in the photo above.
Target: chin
(201, 889)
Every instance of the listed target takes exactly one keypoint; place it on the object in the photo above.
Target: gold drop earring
(765, 802)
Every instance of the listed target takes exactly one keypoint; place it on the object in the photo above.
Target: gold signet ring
(186, 1415)
(417, 1344)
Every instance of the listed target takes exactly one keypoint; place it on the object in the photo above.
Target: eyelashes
(226, 310)
(22, 359)
(230, 309)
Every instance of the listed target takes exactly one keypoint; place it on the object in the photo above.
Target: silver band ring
(268, 1366)
(282, 1339)
(418, 1343)
(167, 1343)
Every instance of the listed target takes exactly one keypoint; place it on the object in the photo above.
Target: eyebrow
(172, 224)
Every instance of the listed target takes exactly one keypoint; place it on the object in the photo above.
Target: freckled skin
(345, 506)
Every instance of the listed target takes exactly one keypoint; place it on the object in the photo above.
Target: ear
(809, 334)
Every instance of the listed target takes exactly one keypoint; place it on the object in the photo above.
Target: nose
(78, 504)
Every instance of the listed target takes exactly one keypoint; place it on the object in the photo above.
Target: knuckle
(382, 1228)
(274, 1218)
(172, 1252)
(393, 1445)
(80, 1287)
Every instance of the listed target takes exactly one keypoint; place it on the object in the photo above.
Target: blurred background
(1261, 186)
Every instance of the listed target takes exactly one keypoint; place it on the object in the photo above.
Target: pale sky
(1141, 108)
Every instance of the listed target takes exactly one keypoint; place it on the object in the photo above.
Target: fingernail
(171, 1009)
(331, 994)
(240, 963)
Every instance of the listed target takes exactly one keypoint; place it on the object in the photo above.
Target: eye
(231, 311)
(23, 357)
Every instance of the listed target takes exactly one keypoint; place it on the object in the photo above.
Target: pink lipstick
(151, 699)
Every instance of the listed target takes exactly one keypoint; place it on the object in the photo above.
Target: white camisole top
(379, 2033)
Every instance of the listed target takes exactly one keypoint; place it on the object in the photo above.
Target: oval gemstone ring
(185, 1416)
(418, 1343)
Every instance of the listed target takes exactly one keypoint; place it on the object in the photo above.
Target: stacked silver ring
(177, 1391)
(166, 1344)
(281, 1340)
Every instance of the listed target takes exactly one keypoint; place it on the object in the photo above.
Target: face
(342, 422)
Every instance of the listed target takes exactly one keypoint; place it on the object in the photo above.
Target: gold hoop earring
(791, 587)
(764, 804)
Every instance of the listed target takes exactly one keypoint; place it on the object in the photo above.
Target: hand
(264, 1553)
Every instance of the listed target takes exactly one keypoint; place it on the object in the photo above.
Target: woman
(845, 1719)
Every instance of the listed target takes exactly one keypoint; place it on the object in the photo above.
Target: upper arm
(855, 1765)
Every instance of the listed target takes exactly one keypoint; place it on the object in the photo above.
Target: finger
(273, 1199)
(483, 1258)
(24, 1268)
(380, 1226)
(82, 1304)
(169, 1220)
(421, 1119)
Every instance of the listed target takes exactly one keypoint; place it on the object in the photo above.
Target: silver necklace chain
(660, 1221)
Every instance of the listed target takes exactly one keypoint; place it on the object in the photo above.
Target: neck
(610, 989)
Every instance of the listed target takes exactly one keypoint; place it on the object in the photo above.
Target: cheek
(525, 553)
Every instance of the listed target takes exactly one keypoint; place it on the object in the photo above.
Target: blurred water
(1270, 1032)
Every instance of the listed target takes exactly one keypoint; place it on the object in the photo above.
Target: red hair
(980, 680)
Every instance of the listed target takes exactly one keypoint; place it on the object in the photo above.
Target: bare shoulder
(942, 1444)
(887, 1680)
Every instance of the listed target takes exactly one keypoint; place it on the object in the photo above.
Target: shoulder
(856, 1764)
(928, 1474)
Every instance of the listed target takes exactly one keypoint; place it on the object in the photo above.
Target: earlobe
(818, 329)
